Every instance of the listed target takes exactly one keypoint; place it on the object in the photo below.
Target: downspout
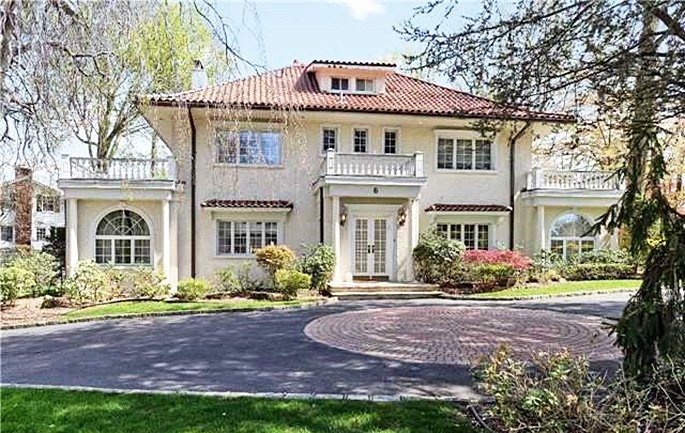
(512, 181)
(193, 193)
(321, 215)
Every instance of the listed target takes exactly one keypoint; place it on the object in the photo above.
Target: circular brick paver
(460, 335)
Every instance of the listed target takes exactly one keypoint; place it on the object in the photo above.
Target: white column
(72, 236)
(414, 215)
(335, 226)
(172, 277)
(614, 241)
(540, 219)
(166, 239)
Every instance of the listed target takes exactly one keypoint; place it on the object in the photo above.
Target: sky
(320, 29)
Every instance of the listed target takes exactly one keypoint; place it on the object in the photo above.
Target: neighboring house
(29, 211)
(352, 154)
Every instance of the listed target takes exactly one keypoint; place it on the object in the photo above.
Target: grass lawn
(141, 307)
(57, 411)
(563, 288)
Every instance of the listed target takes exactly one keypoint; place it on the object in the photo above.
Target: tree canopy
(618, 63)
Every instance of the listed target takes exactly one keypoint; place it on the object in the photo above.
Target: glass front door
(371, 247)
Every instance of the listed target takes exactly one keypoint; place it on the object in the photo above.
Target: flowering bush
(516, 260)
(437, 259)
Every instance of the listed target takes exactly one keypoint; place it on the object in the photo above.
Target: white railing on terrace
(572, 179)
(122, 169)
(367, 164)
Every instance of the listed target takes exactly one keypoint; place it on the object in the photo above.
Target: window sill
(235, 256)
(452, 171)
(242, 166)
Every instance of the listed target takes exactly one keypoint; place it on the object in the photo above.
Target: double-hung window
(360, 140)
(473, 236)
(340, 84)
(7, 233)
(47, 203)
(390, 141)
(248, 147)
(244, 237)
(464, 154)
(329, 138)
(41, 234)
(363, 85)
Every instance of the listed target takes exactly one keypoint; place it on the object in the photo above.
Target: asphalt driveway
(242, 352)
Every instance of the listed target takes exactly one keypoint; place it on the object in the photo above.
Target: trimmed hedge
(597, 271)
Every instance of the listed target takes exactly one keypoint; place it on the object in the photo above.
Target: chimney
(198, 76)
(23, 207)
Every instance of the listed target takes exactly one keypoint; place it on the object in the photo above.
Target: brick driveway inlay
(461, 335)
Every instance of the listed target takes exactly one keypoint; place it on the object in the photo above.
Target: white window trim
(151, 237)
(490, 225)
(350, 82)
(398, 131)
(373, 86)
(238, 164)
(247, 215)
(368, 139)
(337, 137)
(460, 135)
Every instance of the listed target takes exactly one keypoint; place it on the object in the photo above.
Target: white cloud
(362, 9)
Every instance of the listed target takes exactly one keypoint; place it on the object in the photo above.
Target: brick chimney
(23, 207)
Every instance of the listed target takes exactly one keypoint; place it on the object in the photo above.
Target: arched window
(123, 238)
(571, 235)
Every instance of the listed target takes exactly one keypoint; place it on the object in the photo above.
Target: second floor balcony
(364, 165)
(122, 169)
(572, 180)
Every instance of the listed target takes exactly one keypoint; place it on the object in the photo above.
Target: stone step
(385, 294)
(380, 287)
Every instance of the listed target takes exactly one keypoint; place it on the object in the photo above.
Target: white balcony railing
(572, 179)
(360, 164)
(122, 169)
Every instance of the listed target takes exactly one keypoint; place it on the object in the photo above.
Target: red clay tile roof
(439, 207)
(247, 204)
(293, 87)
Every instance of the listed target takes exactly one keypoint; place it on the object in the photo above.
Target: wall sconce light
(343, 215)
(402, 215)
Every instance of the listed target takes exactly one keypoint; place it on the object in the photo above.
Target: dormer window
(363, 85)
(340, 84)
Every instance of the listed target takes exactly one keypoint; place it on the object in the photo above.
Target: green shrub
(13, 281)
(190, 289)
(319, 262)
(290, 281)
(42, 266)
(597, 271)
(143, 282)
(230, 281)
(619, 257)
(275, 257)
(90, 283)
(490, 276)
(437, 259)
(561, 394)
(546, 267)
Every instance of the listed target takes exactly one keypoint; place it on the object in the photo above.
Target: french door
(371, 247)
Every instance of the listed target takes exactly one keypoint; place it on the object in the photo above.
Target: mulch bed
(27, 311)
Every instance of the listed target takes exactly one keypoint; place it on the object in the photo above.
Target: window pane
(445, 153)
(464, 155)
(442, 229)
(483, 237)
(41, 233)
(587, 245)
(223, 237)
(557, 247)
(103, 250)
(226, 147)
(390, 142)
(363, 85)
(360, 140)
(141, 254)
(455, 232)
(572, 248)
(340, 83)
(329, 138)
(123, 223)
(470, 236)
(249, 148)
(483, 157)
(240, 237)
(256, 236)
(122, 251)
(271, 148)
(571, 225)
(270, 233)
(7, 233)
